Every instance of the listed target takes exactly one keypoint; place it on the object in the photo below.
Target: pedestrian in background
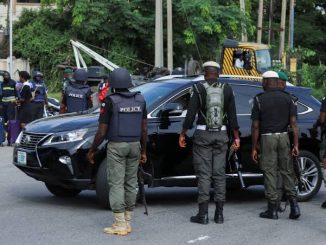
(8, 98)
(210, 144)
(40, 100)
(126, 147)
(26, 113)
(77, 96)
(273, 111)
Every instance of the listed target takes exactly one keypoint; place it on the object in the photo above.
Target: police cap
(120, 78)
(270, 74)
(282, 75)
(80, 75)
(211, 64)
(67, 71)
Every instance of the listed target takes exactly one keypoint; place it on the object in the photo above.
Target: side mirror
(172, 109)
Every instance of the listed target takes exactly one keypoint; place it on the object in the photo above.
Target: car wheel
(62, 191)
(311, 175)
(102, 186)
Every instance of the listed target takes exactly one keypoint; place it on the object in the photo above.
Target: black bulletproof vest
(76, 97)
(8, 91)
(126, 119)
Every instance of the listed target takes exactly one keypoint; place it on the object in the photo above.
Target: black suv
(53, 150)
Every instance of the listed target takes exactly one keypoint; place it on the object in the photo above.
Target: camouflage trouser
(122, 161)
(209, 153)
(276, 158)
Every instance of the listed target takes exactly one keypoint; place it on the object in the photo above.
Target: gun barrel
(237, 166)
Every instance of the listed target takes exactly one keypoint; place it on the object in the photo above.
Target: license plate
(21, 157)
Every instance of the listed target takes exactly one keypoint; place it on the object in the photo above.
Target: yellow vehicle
(245, 60)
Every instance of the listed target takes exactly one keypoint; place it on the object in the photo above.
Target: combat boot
(202, 216)
(271, 212)
(128, 216)
(119, 226)
(323, 205)
(294, 207)
(218, 217)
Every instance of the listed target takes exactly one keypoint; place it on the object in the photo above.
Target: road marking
(201, 238)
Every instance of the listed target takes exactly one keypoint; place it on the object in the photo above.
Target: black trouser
(39, 110)
(8, 111)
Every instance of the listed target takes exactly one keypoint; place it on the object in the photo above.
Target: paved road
(29, 214)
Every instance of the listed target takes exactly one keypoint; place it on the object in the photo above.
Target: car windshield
(263, 60)
(155, 91)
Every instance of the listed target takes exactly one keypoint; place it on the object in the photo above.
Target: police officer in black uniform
(210, 146)
(8, 98)
(273, 111)
(77, 96)
(322, 123)
(123, 121)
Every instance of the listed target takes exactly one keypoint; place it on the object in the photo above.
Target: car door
(169, 159)
(244, 95)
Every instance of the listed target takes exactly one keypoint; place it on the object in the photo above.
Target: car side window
(182, 98)
(244, 95)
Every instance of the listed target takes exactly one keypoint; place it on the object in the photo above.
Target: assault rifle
(298, 173)
(237, 166)
(141, 173)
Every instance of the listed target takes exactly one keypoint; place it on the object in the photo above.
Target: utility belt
(204, 127)
(267, 134)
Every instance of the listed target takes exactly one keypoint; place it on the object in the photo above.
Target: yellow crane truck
(245, 60)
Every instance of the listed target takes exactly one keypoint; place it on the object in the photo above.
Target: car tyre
(102, 186)
(311, 175)
(60, 191)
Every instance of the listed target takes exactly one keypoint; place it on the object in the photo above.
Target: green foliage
(208, 23)
(313, 76)
(126, 29)
(45, 46)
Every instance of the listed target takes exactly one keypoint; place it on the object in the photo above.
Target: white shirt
(239, 63)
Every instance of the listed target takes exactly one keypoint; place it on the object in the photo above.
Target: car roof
(186, 81)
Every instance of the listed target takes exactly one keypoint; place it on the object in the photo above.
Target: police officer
(322, 123)
(126, 147)
(210, 145)
(273, 111)
(9, 97)
(77, 96)
(40, 90)
(67, 77)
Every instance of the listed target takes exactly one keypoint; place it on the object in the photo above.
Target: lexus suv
(53, 150)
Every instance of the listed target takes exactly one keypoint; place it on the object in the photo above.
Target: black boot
(271, 212)
(202, 216)
(218, 217)
(295, 210)
(323, 205)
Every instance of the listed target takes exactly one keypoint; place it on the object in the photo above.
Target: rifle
(298, 173)
(237, 166)
(141, 173)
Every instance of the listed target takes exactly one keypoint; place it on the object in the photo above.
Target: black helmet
(37, 74)
(80, 75)
(120, 78)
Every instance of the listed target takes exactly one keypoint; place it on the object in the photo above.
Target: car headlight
(19, 138)
(66, 137)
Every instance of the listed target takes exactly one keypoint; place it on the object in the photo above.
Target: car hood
(63, 123)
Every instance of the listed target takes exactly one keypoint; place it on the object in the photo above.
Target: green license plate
(21, 157)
